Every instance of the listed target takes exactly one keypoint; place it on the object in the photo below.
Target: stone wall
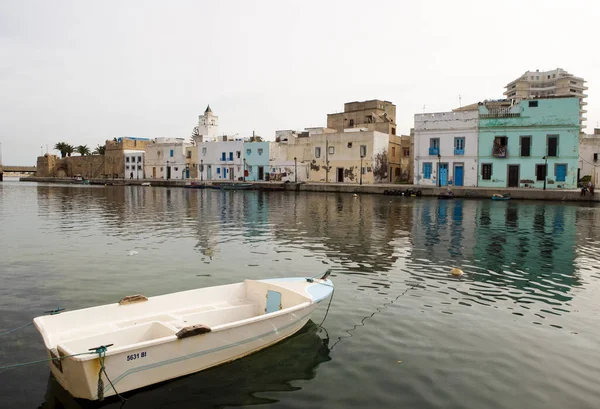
(91, 166)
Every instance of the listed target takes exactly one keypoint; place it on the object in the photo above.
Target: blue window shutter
(427, 170)
(218, 171)
(171, 153)
(561, 173)
(223, 156)
(230, 155)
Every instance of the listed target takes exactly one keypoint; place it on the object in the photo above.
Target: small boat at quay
(101, 351)
(497, 196)
(236, 186)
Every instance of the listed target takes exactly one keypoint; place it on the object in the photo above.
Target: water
(519, 329)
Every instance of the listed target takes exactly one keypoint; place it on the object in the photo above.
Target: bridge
(16, 169)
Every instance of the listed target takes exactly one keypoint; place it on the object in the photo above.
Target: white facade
(134, 164)
(166, 159)
(220, 160)
(452, 135)
(589, 156)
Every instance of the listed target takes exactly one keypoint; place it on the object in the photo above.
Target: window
(260, 151)
(127, 167)
(249, 168)
(537, 77)
(368, 119)
(230, 155)
(595, 157)
(525, 145)
(139, 167)
(486, 171)
(161, 169)
(499, 149)
(553, 145)
(434, 143)
(238, 154)
(204, 151)
(363, 151)
(406, 152)
(318, 152)
(223, 155)
(393, 151)
(540, 172)
(248, 152)
(171, 154)
(533, 104)
(218, 171)
(427, 170)
(573, 90)
(393, 131)
(331, 150)
(352, 122)
(459, 146)
(139, 159)
(189, 154)
(127, 159)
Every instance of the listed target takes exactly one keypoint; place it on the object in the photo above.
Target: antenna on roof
(423, 108)
(459, 101)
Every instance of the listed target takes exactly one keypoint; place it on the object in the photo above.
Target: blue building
(256, 160)
(533, 143)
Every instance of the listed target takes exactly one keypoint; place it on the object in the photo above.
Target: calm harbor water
(518, 330)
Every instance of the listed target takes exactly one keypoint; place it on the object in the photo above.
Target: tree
(100, 150)
(195, 134)
(380, 166)
(63, 148)
(69, 149)
(82, 150)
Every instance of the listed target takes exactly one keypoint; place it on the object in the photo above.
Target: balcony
(434, 151)
(499, 151)
(500, 114)
(458, 152)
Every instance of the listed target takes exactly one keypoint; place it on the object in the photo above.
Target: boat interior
(160, 319)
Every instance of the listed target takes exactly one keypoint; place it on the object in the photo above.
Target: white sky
(83, 72)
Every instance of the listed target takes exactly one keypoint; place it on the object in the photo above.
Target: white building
(166, 159)
(208, 126)
(221, 159)
(589, 156)
(446, 148)
(134, 164)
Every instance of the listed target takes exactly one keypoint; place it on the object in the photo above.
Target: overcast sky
(83, 71)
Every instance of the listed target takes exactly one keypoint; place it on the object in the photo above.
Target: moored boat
(142, 341)
(497, 196)
(236, 186)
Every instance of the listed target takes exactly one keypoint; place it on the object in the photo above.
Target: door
(261, 172)
(273, 301)
(513, 175)
(154, 172)
(187, 173)
(209, 172)
(458, 175)
(231, 173)
(561, 173)
(443, 171)
(168, 172)
(340, 175)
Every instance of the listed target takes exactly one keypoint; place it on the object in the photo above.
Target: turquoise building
(530, 144)
(256, 160)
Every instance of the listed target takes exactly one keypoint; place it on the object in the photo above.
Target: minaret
(208, 125)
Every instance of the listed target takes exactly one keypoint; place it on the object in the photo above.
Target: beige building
(589, 156)
(114, 162)
(89, 166)
(327, 155)
(400, 158)
(558, 82)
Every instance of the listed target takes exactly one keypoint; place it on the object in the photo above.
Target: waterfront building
(554, 83)
(445, 146)
(284, 166)
(134, 163)
(166, 159)
(256, 160)
(357, 155)
(589, 152)
(221, 159)
(533, 143)
(114, 156)
(380, 116)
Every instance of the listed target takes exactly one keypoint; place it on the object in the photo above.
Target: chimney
(596, 131)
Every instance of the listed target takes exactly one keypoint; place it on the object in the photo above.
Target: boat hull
(155, 355)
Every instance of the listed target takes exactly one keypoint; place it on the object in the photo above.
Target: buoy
(456, 272)
(355, 195)
(133, 253)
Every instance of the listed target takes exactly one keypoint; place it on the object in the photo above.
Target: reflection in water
(234, 384)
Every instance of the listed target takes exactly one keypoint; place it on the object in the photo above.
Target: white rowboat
(151, 340)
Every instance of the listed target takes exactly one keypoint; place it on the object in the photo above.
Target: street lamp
(244, 170)
(295, 170)
(438, 172)
(361, 166)
(545, 170)
(168, 170)
(201, 170)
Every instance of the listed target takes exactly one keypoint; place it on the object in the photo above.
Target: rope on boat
(101, 351)
(42, 361)
(51, 312)
(324, 277)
